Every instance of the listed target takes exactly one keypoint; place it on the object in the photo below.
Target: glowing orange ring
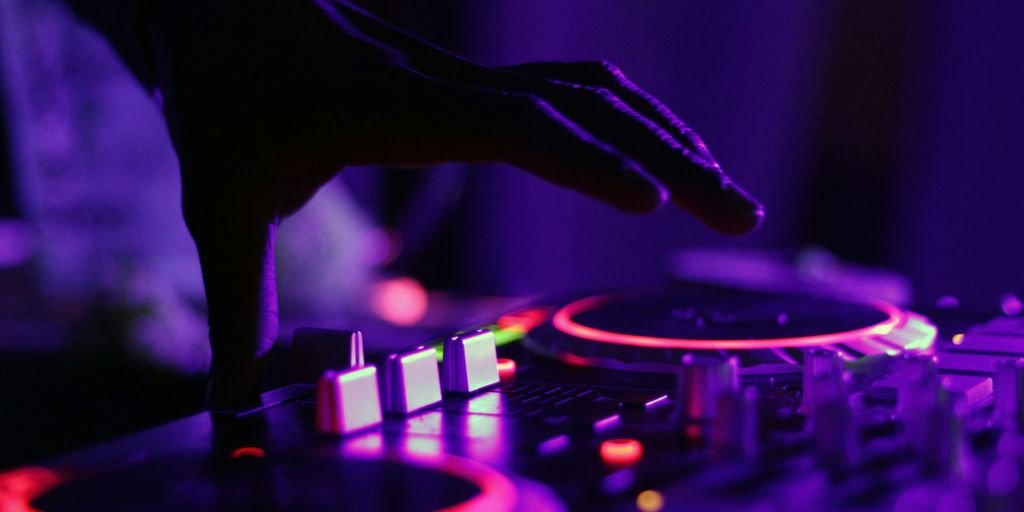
(563, 321)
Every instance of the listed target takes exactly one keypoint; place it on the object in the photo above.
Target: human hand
(267, 100)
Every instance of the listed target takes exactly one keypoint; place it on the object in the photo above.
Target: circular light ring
(497, 492)
(563, 321)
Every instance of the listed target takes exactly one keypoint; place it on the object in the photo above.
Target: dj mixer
(685, 397)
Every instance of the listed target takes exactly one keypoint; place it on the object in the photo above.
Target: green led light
(506, 336)
(501, 337)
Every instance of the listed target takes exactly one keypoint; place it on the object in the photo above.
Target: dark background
(886, 132)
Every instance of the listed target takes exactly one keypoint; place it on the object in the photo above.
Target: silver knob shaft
(701, 380)
(1008, 394)
(315, 351)
(734, 430)
(836, 434)
(821, 367)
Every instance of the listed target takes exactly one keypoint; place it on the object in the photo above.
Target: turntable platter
(285, 482)
(652, 330)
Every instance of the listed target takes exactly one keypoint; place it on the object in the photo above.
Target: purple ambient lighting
(1011, 305)
(17, 243)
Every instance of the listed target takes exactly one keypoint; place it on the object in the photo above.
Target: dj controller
(685, 397)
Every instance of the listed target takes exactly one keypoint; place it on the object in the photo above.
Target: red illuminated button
(621, 452)
(248, 451)
(506, 369)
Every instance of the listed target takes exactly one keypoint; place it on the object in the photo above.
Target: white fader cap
(347, 401)
(470, 362)
(410, 381)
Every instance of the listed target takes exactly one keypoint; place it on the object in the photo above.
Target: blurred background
(883, 134)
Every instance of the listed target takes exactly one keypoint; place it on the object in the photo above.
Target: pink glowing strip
(497, 492)
(563, 321)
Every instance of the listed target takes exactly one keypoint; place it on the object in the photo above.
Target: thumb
(235, 240)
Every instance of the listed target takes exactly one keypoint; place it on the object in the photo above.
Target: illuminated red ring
(497, 492)
(564, 322)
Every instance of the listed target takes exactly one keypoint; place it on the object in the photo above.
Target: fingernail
(747, 213)
(653, 195)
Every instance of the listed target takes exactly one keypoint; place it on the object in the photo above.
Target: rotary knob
(734, 430)
(701, 381)
(1008, 394)
(919, 383)
(836, 434)
(821, 368)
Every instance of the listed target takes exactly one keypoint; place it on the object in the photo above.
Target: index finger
(707, 191)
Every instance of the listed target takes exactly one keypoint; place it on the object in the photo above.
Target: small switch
(410, 381)
(836, 436)
(1008, 389)
(470, 362)
(820, 366)
(347, 401)
(734, 431)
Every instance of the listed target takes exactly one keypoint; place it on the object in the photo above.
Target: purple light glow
(17, 243)
(1011, 305)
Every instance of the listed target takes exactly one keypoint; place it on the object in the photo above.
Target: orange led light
(958, 338)
(506, 368)
(621, 452)
(650, 501)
